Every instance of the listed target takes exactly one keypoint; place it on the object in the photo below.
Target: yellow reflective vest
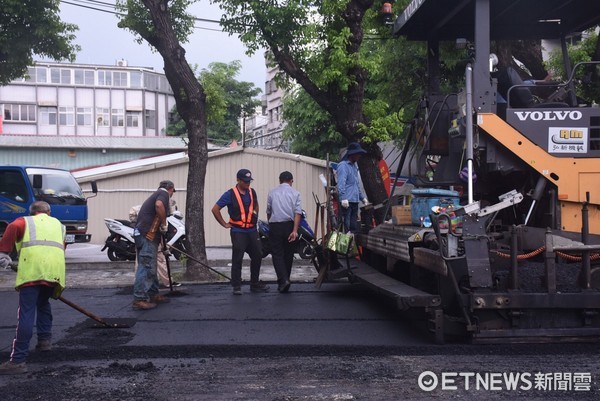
(42, 252)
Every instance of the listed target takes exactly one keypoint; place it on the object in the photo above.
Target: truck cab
(20, 186)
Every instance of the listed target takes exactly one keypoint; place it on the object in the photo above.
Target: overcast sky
(102, 42)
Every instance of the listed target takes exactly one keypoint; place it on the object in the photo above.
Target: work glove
(163, 229)
(345, 203)
(5, 261)
(365, 201)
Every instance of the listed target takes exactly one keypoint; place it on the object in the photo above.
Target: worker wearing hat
(348, 186)
(242, 206)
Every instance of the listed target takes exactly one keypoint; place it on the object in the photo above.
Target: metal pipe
(514, 263)
(537, 195)
(585, 255)
(469, 123)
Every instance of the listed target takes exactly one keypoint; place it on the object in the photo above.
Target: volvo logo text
(551, 115)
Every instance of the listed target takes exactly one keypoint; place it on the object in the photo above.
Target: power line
(95, 4)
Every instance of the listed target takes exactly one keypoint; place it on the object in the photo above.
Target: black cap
(244, 175)
(167, 184)
(286, 176)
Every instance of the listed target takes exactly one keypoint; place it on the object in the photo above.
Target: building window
(150, 119)
(60, 76)
(48, 115)
(66, 116)
(118, 118)
(84, 77)
(104, 78)
(133, 118)
(150, 82)
(135, 78)
(19, 112)
(119, 79)
(36, 74)
(102, 117)
(84, 116)
(163, 85)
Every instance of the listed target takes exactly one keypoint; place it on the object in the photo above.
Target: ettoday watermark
(505, 381)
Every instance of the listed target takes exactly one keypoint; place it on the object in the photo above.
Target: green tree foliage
(165, 25)
(28, 28)
(319, 45)
(227, 100)
(310, 128)
(587, 78)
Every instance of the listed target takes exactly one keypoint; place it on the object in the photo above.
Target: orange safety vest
(241, 217)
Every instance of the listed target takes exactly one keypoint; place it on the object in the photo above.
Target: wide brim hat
(354, 149)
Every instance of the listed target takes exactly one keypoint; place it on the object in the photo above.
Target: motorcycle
(120, 245)
(305, 242)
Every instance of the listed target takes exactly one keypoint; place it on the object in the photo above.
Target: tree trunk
(191, 105)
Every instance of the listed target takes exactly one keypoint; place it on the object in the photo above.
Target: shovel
(197, 261)
(89, 314)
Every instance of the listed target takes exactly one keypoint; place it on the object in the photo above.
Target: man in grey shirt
(284, 212)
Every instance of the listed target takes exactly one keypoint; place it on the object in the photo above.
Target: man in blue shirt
(242, 206)
(284, 212)
(348, 186)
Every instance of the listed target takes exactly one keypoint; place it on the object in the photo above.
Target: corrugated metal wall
(119, 191)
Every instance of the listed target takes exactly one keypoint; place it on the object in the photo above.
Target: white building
(273, 109)
(57, 99)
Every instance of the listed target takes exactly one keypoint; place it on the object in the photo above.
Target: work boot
(44, 345)
(237, 290)
(143, 305)
(259, 287)
(284, 287)
(13, 368)
(159, 299)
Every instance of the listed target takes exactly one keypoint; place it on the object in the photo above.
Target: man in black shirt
(151, 223)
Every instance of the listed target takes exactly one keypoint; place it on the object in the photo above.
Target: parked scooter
(120, 244)
(305, 242)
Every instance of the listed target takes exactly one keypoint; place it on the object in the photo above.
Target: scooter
(120, 244)
(305, 242)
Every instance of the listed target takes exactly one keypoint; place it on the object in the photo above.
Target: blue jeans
(32, 299)
(350, 217)
(146, 280)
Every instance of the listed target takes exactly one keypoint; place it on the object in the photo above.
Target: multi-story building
(273, 109)
(255, 129)
(57, 99)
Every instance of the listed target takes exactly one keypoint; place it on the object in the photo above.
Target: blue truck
(20, 186)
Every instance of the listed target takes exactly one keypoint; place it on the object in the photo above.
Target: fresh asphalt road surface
(208, 314)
